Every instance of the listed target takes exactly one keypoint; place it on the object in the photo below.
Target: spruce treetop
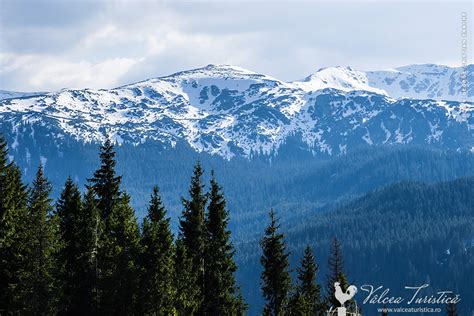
(156, 209)
(41, 190)
(276, 280)
(105, 181)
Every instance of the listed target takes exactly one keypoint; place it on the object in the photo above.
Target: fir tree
(307, 298)
(118, 243)
(335, 269)
(220, 293)
(157, 289)
(37, 279)
(67, 208)
(7, 209)
(187, 298)
(105, 182)
(91, 234)
(192, 227)
(118, 250)
(336, 274)
(13, 215)
(77, 227)
(297, 305)
(275, 276)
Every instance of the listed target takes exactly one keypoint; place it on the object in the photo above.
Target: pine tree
(157, 289)
(275, 277)
(344, 284)
(220, 293)
(336, 274)
(119, 240)
(77, 227)
(307, 298)
(192, 227)
(118, 251)
(91, 234)
(335, 268)
(187, 298)
(105, 182)
(307, 277)
(67, 209)
(37, 279)
(297, 305)
(13, 215)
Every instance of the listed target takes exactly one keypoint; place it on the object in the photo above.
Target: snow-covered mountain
(426, 81)
(4, 94)
(231, 111)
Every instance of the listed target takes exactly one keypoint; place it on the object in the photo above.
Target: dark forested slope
(405, 234)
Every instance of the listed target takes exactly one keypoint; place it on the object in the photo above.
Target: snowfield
(228, 111)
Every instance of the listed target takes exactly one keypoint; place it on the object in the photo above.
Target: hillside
(383, 235)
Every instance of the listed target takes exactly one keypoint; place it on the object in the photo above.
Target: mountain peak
(340, 77)
(418, 81)
(214, 71)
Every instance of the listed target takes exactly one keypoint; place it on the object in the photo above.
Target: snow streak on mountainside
(231, 111)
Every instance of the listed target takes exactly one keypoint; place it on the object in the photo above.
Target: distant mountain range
(229, 111)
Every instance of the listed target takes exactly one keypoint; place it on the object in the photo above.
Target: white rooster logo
(344, 297)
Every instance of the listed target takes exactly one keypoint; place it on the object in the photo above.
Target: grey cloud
(48, 13)
(45, 26)
(284, 39)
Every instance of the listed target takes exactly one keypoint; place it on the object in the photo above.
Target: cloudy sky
(49, 45)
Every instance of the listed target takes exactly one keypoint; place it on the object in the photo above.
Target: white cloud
(40, 71)
(52, 45)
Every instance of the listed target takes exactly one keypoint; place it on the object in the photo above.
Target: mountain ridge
(230, 111)
(418, 68)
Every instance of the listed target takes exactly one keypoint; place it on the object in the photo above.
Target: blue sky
(49, 45)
